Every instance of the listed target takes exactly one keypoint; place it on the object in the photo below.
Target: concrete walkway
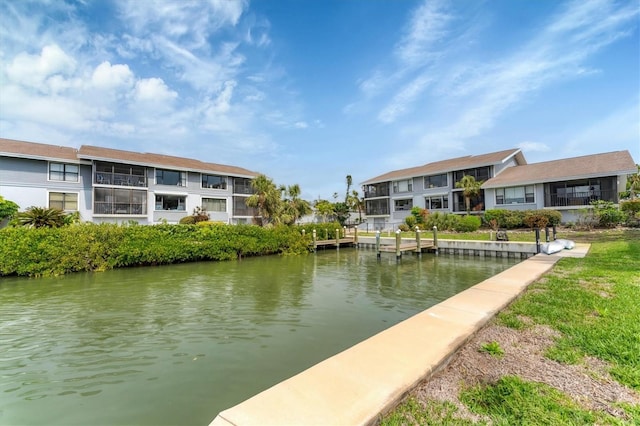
(356, 385)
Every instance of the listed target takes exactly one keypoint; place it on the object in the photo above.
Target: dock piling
(419, 249)
(378, 244)
(398, 240)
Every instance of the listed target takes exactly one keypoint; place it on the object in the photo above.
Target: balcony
(578, 198)
(119, 179)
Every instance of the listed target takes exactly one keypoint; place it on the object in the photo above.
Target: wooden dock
(408, 247)
(337, 243)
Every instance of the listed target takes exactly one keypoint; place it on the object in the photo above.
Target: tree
(266, 199)
(293, 206)
(324, 208)
(7, 208)
(356, 203)
(349, 183)
(470, 188)
(41, 217)
(633, 183)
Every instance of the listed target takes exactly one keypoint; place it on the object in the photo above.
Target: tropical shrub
(541, 218)
(468, 224)
(410, 222)
(607, 213)
(7, 208)
(444, 221)
(631, 209)
(91, 247)
(404, 227)
(507, 219)
(41, 217)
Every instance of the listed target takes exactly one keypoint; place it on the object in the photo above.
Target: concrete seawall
(356, 385)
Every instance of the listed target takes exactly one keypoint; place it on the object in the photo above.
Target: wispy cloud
(466, 97)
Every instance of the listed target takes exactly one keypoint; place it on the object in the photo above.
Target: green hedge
(90, 247)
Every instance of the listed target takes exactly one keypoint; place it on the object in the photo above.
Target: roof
(159, 160)
(444, 166)
(38, 151)
(606, 164)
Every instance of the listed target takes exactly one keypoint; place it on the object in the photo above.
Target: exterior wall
(26, 182)
(498, 168)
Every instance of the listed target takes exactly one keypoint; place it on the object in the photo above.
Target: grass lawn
(594, 304)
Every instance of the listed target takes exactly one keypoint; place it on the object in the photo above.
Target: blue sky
(310, 91)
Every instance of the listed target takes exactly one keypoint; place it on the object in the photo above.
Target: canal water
(174, 345)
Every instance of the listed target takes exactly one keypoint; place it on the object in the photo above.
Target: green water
(175, 345)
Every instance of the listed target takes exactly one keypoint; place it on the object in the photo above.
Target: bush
(541, 218)
(444, 221)
(468, 224)
(608, 214)
(91, 247)
(187, 220)
(410, 222)
(508, 219)
(630, 206)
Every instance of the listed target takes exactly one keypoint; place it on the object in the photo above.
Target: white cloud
(428, 25)
(534, 146)
(153, 90)
(111, 77)
(33, 70)
(300, 125)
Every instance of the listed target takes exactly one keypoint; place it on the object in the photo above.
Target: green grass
(595, 305)
(493, 349)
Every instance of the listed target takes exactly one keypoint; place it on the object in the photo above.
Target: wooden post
(435, 238)
(418, 241)
(398, 239)
(338, 238)
(315, 240)
(378, 243)
(355, 236)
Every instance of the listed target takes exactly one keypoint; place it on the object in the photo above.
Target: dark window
(63, 172)
(435, 181)
(214, 181)
(171, 177)
(401, 205)
(170, 202)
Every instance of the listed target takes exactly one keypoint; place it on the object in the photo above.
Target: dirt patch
(588, 383)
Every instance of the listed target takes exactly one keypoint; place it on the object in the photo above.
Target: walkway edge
(356, 385)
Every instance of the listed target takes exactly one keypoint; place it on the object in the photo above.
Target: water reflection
(176, 344)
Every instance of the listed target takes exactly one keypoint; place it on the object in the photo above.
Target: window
(515, 195)
(437, 203)
(63, 201)
(214, 181)
(376, 190)
(435, 181)
(63, 172)
(403, 186)
(170, 202)
(214, 204)
(119, 201)
(401, 205)
(240, 207)
(171, 177)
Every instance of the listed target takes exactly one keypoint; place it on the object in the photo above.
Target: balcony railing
(120, 179)
(578, 198)
(242, 189)
(119, 208)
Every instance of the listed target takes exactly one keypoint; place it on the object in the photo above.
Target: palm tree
(324, 209)
(41, 217)
(633, 183)
(349, 183)
(471, 188)
(294, 207)
(356, 203)
(266, 199)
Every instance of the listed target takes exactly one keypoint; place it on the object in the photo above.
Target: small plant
(492, 348)
(41, 217)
